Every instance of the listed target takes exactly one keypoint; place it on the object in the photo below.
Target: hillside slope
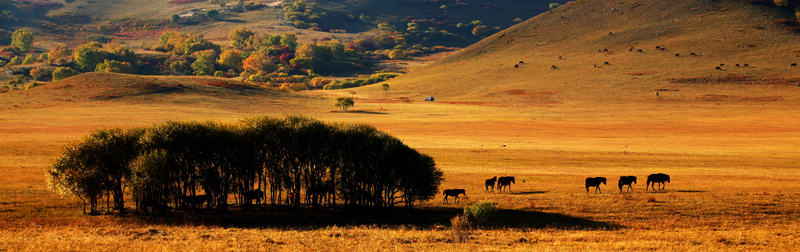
(573, 39)
(133, 89)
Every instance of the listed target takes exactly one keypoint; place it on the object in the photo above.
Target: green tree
(175, 18)
(289, 40)
(212, 14)
(88, 55)
(203, 66)
(113, 66)
(241, 37)
(344, 102)
(385, 88)
(22, 39)
(231, 59)
(63, 72)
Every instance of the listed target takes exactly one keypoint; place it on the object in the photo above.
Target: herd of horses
(505, 182)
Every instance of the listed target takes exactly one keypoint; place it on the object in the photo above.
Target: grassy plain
(730, 139)
(734, 166)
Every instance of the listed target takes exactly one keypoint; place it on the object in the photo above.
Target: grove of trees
(297, 161)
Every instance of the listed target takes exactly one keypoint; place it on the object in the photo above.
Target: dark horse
(595, 182)
(454, 193)
(251, 195)
(490, 183)
(626, 180)
(198, 200)
(505, 182)
(657, 178)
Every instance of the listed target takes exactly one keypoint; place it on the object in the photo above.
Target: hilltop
(133, 89)
(698, 36)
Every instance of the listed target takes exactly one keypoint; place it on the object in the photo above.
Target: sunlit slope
(165, 90)
(716, 32)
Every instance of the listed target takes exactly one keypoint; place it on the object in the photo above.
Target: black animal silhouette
(606, 63)
(657, 178)
(626, 180)
(198, 200)
(553, 67)
(595, 182)
(453, 193)
(516, 65)
(717, 68)
(490, 183)
(251, 195)
(505, 182)
(794, 64)
(521, 62)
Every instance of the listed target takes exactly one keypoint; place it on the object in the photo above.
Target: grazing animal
(453, 193)
(605, 49)
(746, 65)
(521, 62)
(606, 63)
(657, 178)
(656, 93)
(640, 51)
(693, 54)
(658, 47)
(663, 48)
(553, 67)
(490, 183)
(595, 182)
(737, 65)
(626, 180)
(198, 200)
(677, 55)
(794, 64)
(251, 195)
(631, 49)
(505, 182)
(595, 65)
(717, 68)
(516, 66)
(722, 64)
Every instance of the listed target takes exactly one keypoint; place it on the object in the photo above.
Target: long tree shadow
(423, 218)
(528, 192)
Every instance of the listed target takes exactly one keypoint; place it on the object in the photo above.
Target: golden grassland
(734, 167)
(730, 139)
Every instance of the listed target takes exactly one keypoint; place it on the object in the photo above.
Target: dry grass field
(729, 139)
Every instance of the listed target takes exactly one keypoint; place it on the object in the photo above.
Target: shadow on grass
(360, 112)
(237, 21)
(691, 191)
(423, 218)
(528, 193)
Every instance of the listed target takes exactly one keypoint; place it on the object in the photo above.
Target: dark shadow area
(691, 191)
(360, 112)
(236, 21)
(424, 218)
(528, 192)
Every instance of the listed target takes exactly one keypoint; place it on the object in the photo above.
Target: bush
(460, 226)
(63, 72)
(480, 213)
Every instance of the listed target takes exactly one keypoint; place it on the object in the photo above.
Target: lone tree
(22, 39)
(344, 102)
(385, 88)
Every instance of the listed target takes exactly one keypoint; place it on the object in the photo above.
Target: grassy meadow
(729, 139)
(734, 170)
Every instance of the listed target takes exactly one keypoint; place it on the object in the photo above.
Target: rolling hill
(698, 36)
(133, 89)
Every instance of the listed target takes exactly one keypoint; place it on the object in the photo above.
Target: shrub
(30, 59)
(63, 72)
(460, 226)
(22, 39)
(480, 213)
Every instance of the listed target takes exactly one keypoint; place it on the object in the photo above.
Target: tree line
(297, 161)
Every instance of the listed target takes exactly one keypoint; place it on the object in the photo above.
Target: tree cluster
(297, 161)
